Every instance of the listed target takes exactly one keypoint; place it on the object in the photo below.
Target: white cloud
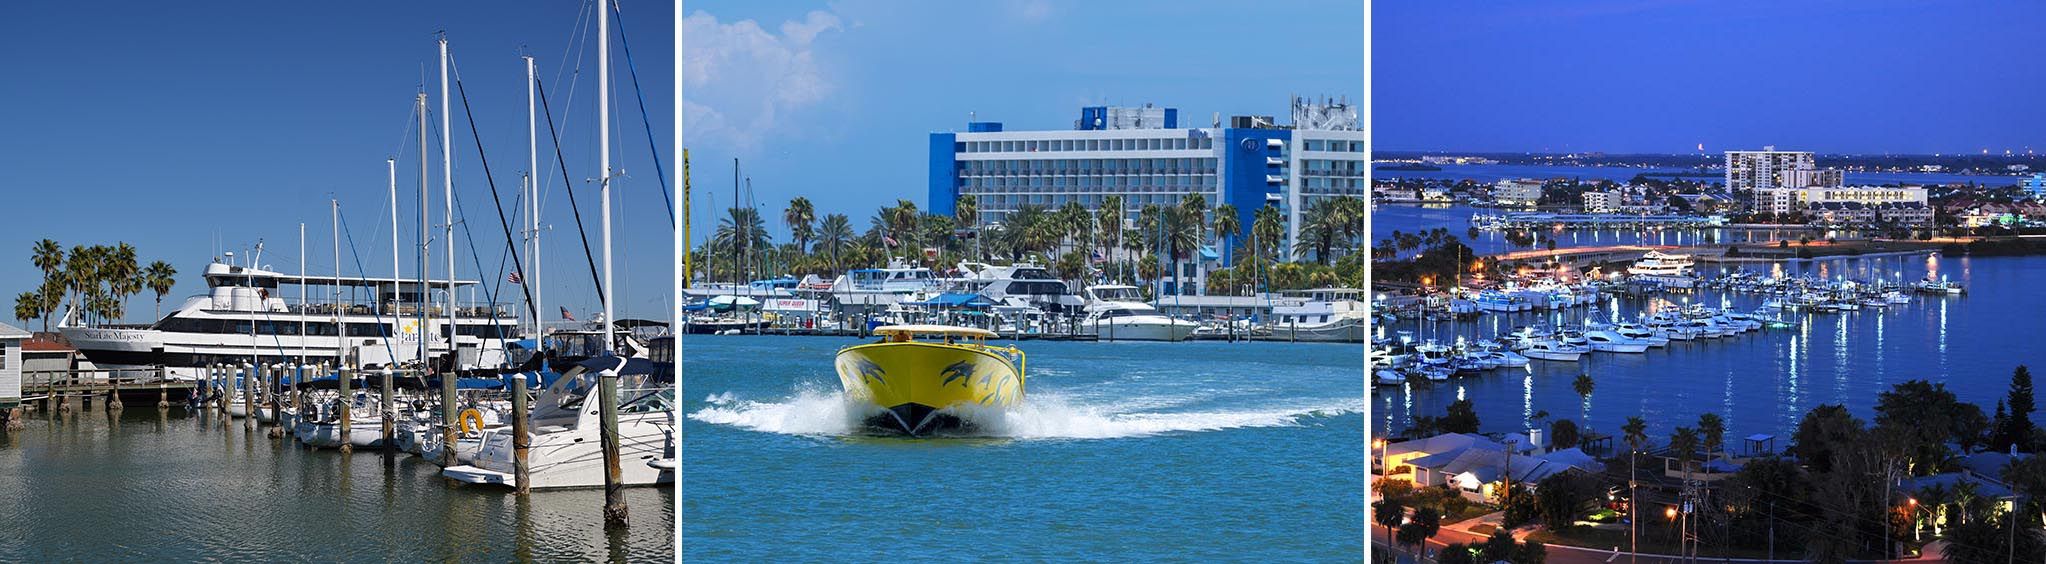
(1031, 11)
(738, 78)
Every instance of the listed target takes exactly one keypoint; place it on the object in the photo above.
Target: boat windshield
(1117, 294)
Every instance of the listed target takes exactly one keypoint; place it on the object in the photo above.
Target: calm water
(1494, 173)
(1406, 218)
(166, 486)
(1764, 381)
(1122, 451)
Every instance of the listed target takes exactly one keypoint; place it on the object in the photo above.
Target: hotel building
(1149, 156)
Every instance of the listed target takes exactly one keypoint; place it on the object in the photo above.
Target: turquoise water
(1121, 451)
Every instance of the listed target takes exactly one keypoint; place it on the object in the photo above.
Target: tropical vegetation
(1075, 243)
(95, 281)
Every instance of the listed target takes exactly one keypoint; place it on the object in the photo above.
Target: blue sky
(1663, 77)
(175, 125)
(835, 101)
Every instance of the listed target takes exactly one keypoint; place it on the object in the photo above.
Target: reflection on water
(168, 485)
(1763, 382)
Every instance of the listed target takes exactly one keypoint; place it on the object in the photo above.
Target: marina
(1761, 381)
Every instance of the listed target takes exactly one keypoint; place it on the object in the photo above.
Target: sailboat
(567, 438)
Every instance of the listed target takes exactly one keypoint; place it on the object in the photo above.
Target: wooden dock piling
(614, 482)
(522, 442)
(450, 428)
(390, 411)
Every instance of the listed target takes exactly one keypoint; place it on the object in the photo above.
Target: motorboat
(917, 384)
(1114, 313)
(1605, 340)
(1551, 349)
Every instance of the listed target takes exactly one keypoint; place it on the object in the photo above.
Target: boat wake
(1039, 416)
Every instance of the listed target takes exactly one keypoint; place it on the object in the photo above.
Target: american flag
(565, 314)
(514, 278)
(890, 241)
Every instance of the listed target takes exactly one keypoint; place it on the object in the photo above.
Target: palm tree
(1324, 220)
(798, 216)
(123, 276)
(78, 275)
(1635, 433)
(1713, 430)
(1226, 225)
(28, 305)
(744, 234)
(833, 234)
(902, 221)
(1109, 221)
(966, 211)
(48, 256)
(1268, 226)
(1075, 223)
(160, 276)
(1683, 444)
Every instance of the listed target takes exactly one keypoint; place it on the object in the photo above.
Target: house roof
(12, 332)
(1984, 486)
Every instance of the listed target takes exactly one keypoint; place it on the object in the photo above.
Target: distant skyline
(192, 129)
(1665, 77)
(835, 101)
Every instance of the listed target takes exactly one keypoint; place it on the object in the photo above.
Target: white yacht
(1605, 340)
(245, 317)
(1325, 315)
(1115, 314)
(1022, 282)
(875, 289)
(1667, 269)
(1548, 348)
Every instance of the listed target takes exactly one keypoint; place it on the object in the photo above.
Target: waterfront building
(1149, 156)
(1517, 192)
(1852, 205)
(2035, 185)
(1770, 177)
(1748, 171)
(10, 365)
(1601, 202)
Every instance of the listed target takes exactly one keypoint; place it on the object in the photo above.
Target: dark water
(1764, 381)
(1406, 218)
(165, 486)
(1494, 173)
(1121, 452)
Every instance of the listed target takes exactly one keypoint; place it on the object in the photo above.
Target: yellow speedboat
(916, 379)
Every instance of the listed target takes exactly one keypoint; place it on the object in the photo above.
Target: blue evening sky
(1663, 77)
(835, 101)
(178, 125)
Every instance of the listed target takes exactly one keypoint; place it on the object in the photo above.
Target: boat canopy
(957, 300)
(934, 330)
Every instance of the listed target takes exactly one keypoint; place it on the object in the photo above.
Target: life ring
(469, 421)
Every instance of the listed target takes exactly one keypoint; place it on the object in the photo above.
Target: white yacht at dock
(244, 316)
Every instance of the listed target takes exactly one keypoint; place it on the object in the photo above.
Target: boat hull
(915, 382)
(1151, 328)
(1343, 330)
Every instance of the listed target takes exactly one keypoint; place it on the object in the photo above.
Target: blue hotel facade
(1143, 155)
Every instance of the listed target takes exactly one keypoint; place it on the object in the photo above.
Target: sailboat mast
(533, 199)
(340, 326)
(392, 165)
(447, 176)
(425, 244)
(604, 156)
(301, 293)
